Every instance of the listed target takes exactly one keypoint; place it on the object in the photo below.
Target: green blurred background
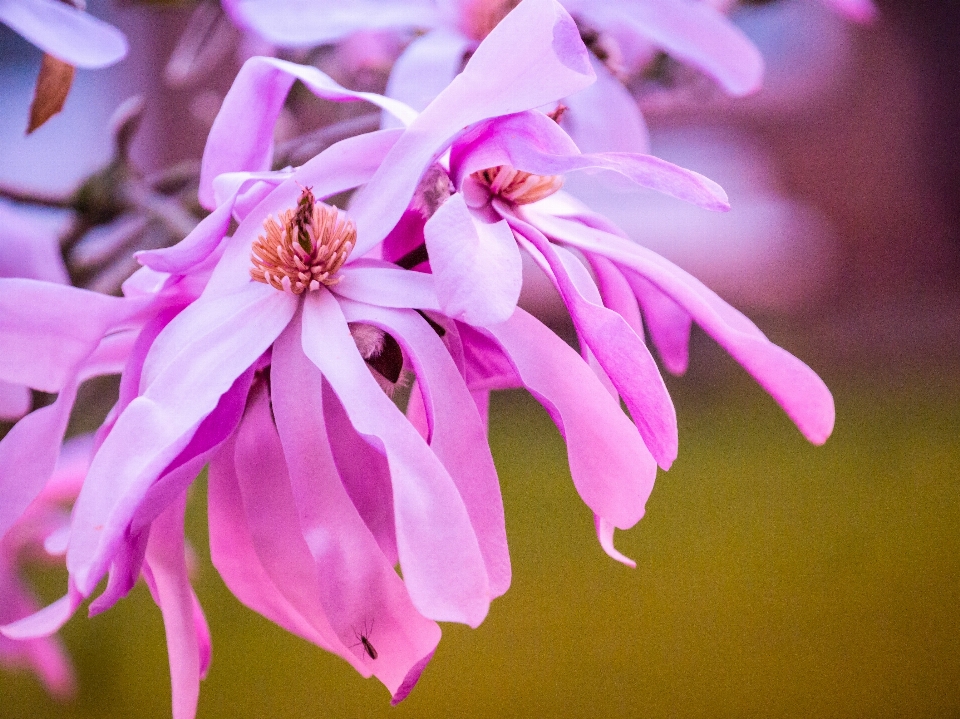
(774, 578)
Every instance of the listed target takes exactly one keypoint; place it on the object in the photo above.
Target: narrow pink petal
(308, 23)
(533, 57)
(65, 32)
(605, 535)
(46, 330)
(668, 322)
(693, 32)
(46, 621)
(439, 555)
(605, 117)
(458, 435)
(195, 247)
(358, 586)
(534, 143)
(233, 553)
(387, 286)
(620, 351)
(194, 361)
(476, 264)
(166, 571)
(202, 631)
(797, 388)
(241, 138)
(616, 292)
(426, 67)
(611, 467)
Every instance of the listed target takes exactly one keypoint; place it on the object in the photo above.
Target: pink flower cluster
(270, 354)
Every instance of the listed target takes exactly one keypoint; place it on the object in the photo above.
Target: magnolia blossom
(622, 35)
(65, 32)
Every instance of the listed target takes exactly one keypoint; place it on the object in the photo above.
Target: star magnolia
(65, 32)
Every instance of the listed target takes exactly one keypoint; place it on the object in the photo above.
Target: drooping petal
(533, 57)
(307, 23)
(668, 322)
(693, 32)
(165, 570)
(611, 467)
(620, 351)
(605, 117)
(193, 362)
(476, 264)
(241, 138)
(358, 586)
(441, 560)
(457, 434)
(426, 67)
(65, 32)
(534, 143)
(616, 292)
(802, 394)
(605, 536)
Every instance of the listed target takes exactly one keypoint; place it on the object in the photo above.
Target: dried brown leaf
(53, 85)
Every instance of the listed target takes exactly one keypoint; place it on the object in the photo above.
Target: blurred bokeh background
(774, 578)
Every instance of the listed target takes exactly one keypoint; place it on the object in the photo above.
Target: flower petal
(426, 67)
(797, 388)
(358, 586)
(668, 322)
(387, 286)
(439, 555)
(611, 467)
(65, 32)
(457, 434)
(241, 138)
(476, 264)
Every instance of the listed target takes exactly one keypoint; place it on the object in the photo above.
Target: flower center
(305, 249)
(481, 16)
(520, 188)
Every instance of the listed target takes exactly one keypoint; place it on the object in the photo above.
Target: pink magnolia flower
(65, 32)
(39, 533)
(623, 35)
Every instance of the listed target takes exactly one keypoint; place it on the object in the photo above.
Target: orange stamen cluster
(518, 187)
(305, 249)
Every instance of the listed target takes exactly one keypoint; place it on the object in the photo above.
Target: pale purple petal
(611, 467)
(476, 264)
(358, 587)
(65, 32)
(441, 561)
(30, 245)
(241, 138)
(457, 433)
(605, 117)
(307, 23)
(693, 32)
(426, 67)
(668, 322)
(534, 143)
(533, 57)
(387, 286)
(193, 362)
(797, 388)
(620, 351)
(605, 536)
(165, 569)
(15, 401)
(46, 621)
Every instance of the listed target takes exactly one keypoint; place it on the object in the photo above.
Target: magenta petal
(616, 292)
(65, 32)
(476, 264)
(46, 330)
(797, 388)
(457, 433)
(611, 467)
(693, 32)
(241, 138)
(668, 322)
(533, 57)
(192, 363)
(166, 571)
(605, 117)
(605, 536)
(426, 67)
(534, 143)
(358, 586)
(441, 561)
(620, 351)
(192, 249)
